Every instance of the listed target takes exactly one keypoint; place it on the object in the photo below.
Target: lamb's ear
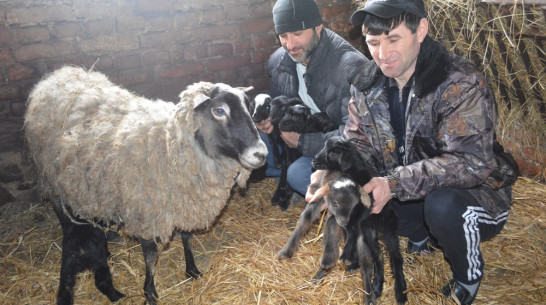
(246, 89)
(320, 193)
(366, 200)
(199, 99)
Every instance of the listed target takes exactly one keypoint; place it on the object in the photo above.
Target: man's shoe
(458, 293)
(426, 248)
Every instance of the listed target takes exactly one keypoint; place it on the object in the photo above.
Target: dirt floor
(239, 263)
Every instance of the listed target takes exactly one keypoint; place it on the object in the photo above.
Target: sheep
(291, 115)
(152, 168)
(343, 172)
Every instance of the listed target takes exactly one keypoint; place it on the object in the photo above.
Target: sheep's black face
(344, 196)
(227, 129)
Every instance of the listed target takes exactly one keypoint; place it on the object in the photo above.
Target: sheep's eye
(335, 203)
(219, 112)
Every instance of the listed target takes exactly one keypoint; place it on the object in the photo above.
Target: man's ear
(422, 30)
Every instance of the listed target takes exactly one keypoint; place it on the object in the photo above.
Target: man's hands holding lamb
(381, 191)
(290, 138)
(378, 186)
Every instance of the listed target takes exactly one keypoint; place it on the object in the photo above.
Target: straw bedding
(238, 260)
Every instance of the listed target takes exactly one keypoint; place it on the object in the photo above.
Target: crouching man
(429, 126)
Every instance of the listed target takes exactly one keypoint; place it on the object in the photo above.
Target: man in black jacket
(311, 65)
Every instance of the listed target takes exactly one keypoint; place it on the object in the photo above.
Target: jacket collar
(432, 66)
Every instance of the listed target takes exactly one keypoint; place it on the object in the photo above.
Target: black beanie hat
(295, 15)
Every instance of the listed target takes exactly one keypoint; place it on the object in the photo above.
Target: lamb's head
(279, 105)
(342, 155)
(260, 107)
(295, 118)
(340, 193)
(343, 197)
(223, 125)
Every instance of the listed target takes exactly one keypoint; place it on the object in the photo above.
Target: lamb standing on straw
(107, 156)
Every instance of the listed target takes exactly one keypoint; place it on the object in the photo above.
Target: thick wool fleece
(112, 155)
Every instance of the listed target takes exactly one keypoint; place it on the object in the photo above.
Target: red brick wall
(152, 47)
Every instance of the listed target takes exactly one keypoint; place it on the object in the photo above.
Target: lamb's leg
(348, 256)
(191, 268)
(309, 214)
(366, 265)
(99, 264)
(69, 270)
(149, 250)
(284, 192)
(276, 150)
(84, 247)
(371, 240)
(393, 248)
(330, 254)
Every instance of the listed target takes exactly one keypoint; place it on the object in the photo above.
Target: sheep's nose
(260, 156)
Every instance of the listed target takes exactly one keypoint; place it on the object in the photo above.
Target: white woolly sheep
(106, 156)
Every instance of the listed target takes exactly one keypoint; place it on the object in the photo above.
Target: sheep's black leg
(149, 250)
(330, 254)
(191, 268)
(365, 261)
(311, 212)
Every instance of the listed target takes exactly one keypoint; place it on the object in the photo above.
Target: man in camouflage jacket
(429, 128)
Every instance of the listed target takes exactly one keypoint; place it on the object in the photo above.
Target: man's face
(301, 44)
(396, 53)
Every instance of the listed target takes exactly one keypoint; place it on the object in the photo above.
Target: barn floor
(238, 260)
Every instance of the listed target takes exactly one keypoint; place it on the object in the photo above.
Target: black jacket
(326, 80)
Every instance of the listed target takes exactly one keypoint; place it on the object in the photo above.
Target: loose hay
(238, 260)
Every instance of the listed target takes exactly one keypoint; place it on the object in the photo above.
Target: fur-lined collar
(432, 67)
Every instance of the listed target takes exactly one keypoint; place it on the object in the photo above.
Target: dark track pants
(457, 222)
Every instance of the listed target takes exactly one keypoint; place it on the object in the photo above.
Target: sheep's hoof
(195, 274)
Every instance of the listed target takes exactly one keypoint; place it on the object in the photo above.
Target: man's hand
(379, 187)
(314, 177)
(290, 138)
(265, 126)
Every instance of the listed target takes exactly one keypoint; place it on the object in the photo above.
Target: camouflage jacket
(450, 132)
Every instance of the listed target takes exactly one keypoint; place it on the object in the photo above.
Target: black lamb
(362, 229)
(288, 114)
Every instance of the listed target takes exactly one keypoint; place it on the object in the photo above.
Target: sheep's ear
(246, 89)
(320, 193)
(199, 99)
